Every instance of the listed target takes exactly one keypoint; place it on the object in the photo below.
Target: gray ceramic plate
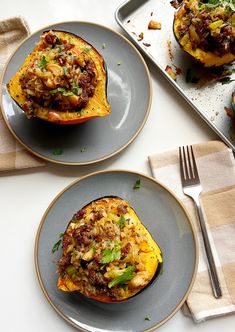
(168, 223)
(129, 94)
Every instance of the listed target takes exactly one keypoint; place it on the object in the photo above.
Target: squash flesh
(97, 104)
(125, 246)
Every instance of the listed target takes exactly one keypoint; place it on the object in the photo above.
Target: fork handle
(210, 259)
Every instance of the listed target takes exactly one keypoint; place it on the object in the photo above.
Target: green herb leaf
(65, 70)
(43, 62)
(64, 92)
(226, 80)
(57, 245)
(67, 93)
(56, 90)
(216, 3)
(147, 317)
(57, 152)
(109, 256)
(87, 49)
(83, 149)
(124, 286)
(103, 46)
(137, 184)
(58, 42)
(75, 88)
(127, 275)
(190, 77)
(232, 5)
(121, 221)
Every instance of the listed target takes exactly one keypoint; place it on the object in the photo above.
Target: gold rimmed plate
(128, 91)
(167, 221)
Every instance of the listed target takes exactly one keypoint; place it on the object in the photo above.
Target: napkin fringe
(12, 154)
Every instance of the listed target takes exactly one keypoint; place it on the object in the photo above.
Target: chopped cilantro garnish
(64, 92)
(124, 286)
(75, 88)
(43, 62)
(83, 149)
(56, 90)
(127, 275)
(137, 184)
(70, 40)
(226, 80)
(147, 317)
(58, 244)
(190, 77)
(57, 151)
(103, 46)
(68, 93)
(121, 221)
(58, 42)
(109, 255)
(87, 49)
(65, 70)
(216, 3)
(119, 63)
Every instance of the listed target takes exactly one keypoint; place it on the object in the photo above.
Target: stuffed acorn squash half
(107, 253)
(63, 80)
(205, 29)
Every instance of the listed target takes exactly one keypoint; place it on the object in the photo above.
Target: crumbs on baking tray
(173, 73)
(154, 25)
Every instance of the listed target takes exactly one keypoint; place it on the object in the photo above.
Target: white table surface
(24, 195)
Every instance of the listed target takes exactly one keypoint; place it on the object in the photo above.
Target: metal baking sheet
(209, 97)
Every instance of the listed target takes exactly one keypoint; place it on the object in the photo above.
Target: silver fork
(192, 188)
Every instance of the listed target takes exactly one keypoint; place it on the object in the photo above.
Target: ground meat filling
(61, 77)
(101, 243)
(210, 28)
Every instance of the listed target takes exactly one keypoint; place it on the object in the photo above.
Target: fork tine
(188, 166)
(189, 163)
(194, 163)
(186, 173)
(181, 163)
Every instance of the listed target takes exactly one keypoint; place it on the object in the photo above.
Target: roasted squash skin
(207, 58)
(81, 52)
(233, 101)
(107, 253)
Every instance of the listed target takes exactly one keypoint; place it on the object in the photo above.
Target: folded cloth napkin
(12, 154)
(216, 168)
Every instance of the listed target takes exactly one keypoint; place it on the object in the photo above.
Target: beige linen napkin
(12, 154)
(216, 167)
